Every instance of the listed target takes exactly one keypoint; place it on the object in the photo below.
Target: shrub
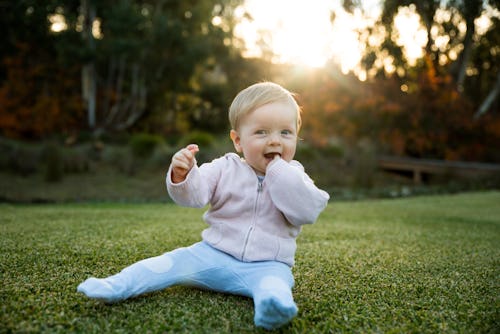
(365, 167)
(54, 163)
(5, 153)
(76, 160)
(143, 144)
(120, 158)
(332, 151)
(27, 160)
(162, 155)
(305, 153)
(205, 140)
(201, 138)
(19, 158)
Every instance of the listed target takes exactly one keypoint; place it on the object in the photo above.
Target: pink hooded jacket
(249, 219)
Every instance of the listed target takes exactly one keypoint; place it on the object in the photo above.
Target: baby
(258, 204)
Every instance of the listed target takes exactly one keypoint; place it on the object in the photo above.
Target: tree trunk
(128, 106)
(471, 10)
(89, 93)
(464, 59)
(485, 106)
(88, 71)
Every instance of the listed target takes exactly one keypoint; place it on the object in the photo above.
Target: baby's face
(268, 132)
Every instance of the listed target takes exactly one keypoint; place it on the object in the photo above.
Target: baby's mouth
(271, 156)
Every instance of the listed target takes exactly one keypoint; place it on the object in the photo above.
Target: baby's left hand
(276, 158)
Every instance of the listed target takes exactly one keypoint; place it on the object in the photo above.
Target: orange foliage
(430, 120)
(38, 98)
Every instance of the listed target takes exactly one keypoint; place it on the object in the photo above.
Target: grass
(422, 265)
(106, 184)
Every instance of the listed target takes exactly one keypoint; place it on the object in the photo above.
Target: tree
(493, 94)
(37, 95)
(486, 71)
(151, 47)
(89, 75)
(440, 19)
(469, 10)
(136, 58)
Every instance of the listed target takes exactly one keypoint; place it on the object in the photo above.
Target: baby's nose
(274, 139)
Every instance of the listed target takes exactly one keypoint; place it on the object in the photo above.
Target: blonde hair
(256, 96)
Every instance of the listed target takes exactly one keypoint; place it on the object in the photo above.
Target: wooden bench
(420, 167)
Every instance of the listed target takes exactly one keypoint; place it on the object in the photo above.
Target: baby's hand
(182, 162)
(275, 158)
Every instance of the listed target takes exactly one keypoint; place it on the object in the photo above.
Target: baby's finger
(180, 164)
(193, 148)
(181, 158)
(184, 159)
(184, 154)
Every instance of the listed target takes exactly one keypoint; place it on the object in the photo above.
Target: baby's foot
(272, 312)
(99, 289)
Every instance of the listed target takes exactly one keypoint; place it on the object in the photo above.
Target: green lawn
(422, 265)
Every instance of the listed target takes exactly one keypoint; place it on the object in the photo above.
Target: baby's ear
(235, 137)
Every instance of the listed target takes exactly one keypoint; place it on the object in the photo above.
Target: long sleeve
(197, 189)
(192, 192)
(294, 193)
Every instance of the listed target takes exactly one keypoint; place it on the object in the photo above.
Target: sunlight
(347, 49)
(412, 36)
(301, 32)
(294, 32)
(57, 22)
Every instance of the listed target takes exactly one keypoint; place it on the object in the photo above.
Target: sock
(101, 289)
(141, 277)
(271, 312)
(274, 305)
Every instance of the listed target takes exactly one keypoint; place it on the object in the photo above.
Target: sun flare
(301, 32)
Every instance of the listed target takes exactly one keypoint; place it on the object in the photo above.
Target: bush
(76, 160)
(120, 158)
(19, 158)
(5, 154)
(202, 138)
(205, 140)
(162, 155)
(305, 152)
(54, 163)
(365, 167)
(143, 144)
(332, 151)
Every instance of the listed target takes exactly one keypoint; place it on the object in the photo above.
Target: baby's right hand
(182, 162)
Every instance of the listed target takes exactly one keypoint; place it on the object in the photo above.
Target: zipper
(254, 218)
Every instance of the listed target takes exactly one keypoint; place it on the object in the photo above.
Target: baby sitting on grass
(258, 204)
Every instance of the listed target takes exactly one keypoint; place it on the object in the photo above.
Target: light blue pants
(269, 283)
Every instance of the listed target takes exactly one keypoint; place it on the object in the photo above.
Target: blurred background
(398, 97)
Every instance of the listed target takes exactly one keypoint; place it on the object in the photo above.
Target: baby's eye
(286, 132)
(260, 132)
